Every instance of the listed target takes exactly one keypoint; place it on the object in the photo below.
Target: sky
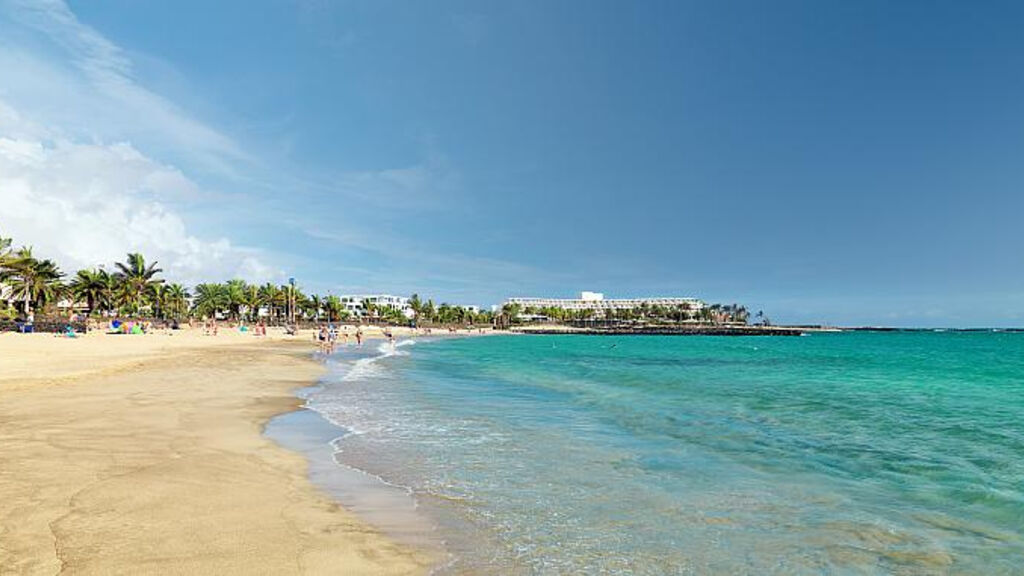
(826, 162)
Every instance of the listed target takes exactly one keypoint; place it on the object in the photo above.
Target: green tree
(176, 300)
(211, 299)
(334, 308)
(94, 287)
(6, 257)
(5, 261)
(34, 282)
(316, 306)
(416, 305)
(135, 281)
(274, 298)
(369, 308)
(254, 299)
(236, 295)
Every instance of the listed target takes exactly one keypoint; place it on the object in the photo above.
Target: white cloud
(85, 204)
(78, 177)
(90, 88)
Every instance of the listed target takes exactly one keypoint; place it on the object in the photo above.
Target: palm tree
(510, 312)
(333, 307)
(175, 300)
(316, 305)
(135, 281)
(5, 259)
(254, 300)
(236, 295)
(158, 300)
(273, 297)
(211, 299)
(34, 282)
(5, 253)
(369, 308)
(299, 300)
(707, 314)
(416, 305)
(740, 313)
(94, 287)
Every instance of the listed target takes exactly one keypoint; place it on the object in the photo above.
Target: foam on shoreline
(389, 507)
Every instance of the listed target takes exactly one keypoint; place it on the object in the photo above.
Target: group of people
(327, 337)
(118, 326)
(211, 327)
(259, 329)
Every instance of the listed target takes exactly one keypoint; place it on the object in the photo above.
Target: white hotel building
(354, 303)
(596, 301)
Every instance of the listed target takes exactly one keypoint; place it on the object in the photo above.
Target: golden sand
(145, 454)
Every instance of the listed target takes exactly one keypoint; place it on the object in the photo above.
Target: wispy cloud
(89, 157)
(101, 78)
(403, 264)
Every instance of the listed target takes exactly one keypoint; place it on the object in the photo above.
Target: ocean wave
(365, 368)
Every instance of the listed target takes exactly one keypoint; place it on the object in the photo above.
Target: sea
(830, 453)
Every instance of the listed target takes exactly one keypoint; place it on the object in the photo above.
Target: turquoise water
(854, 453)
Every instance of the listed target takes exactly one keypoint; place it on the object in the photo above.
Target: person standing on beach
(332, 338)
(321, 338)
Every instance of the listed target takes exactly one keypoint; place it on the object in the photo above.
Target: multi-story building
(354, 303)
(597, 302)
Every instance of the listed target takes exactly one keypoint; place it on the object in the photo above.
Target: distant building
(354, 303)
(597, 302)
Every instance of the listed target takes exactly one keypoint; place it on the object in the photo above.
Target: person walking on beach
(359, 337)
(321, 337)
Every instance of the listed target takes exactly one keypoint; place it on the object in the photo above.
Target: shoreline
(389, 508)
(395, 509)
(148, 454)
(401, 507)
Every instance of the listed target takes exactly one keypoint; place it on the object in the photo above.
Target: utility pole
(291, 299)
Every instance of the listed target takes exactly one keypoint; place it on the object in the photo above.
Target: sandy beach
(145, 454)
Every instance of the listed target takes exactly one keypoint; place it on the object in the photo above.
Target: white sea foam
(353, 418)
(367, 367)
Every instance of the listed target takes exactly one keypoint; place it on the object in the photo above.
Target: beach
(145, 454)
(853, 452)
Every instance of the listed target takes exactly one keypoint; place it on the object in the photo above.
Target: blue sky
(843, 162)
